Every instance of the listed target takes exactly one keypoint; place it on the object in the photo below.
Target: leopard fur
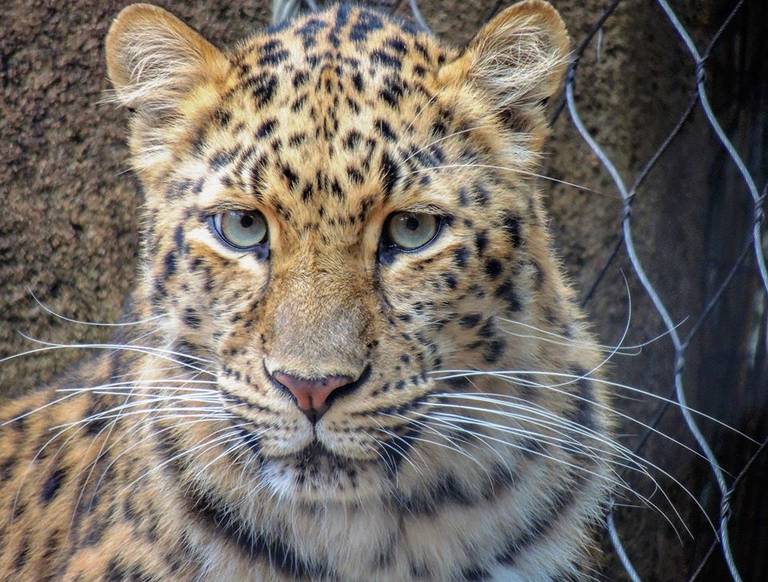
(171, 455)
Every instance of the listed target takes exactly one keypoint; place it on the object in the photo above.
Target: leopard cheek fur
(452, 443)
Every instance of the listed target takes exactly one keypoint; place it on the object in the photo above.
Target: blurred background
(664, 119)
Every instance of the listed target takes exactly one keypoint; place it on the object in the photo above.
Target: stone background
(69, 215)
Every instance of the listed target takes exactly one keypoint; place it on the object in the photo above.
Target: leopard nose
(311, 394)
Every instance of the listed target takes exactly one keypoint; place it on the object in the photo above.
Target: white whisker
(99, 324)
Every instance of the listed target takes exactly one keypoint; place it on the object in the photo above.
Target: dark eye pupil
(246, 221)
(412, 223)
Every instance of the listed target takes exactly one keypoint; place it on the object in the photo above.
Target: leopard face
(339, 212)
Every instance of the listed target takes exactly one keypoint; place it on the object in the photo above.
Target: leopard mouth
(313, 454)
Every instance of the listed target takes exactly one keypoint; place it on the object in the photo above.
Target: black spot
(366, 23)
(114, 572)
(423, 50)
(52, 545)
(352, 139)
(439, 129)
(355, 175)
(191, 318)
(493, 268)
(274, 58)
(481, 241)
(507, 292)
(309, 31)
(256, 172)
(487, 330)
(475, 574)
(95, 425)
(222, 117)
(389, 174)
(170, 264)
(95, 531)
(299, 103)
(266, 128)
(222, 158)
(52, 485)
(297, 139)
(271, 46)
(457, 381)
(385, 59)
(22, 555)
(392, 92)
(481, 194)
(494, 349)
(385, 130)
(263, 87)
(273, 53)
(198, 187)
(300, 78)
(512, 226)
(450, 280)
(336, 189)
(470, 320)
(177, 189)
(462, 196)
(357, 80)
(6, 469)
(290, 176)
(397, 45)
(460, 256)
(178, 238)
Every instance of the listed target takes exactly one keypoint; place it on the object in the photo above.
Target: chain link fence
(751, 257)
(714, 555)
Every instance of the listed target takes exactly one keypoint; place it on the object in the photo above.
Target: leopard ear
(518, 58)
(154, 59)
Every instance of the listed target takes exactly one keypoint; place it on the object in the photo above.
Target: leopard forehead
(331, 114)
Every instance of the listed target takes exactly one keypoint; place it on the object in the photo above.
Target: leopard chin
(316, 474)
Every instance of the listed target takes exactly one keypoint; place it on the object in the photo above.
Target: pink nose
(311, 394)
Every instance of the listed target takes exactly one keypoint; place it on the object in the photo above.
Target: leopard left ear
(154, 60)
(518, 58)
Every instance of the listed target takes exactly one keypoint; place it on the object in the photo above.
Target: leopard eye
(241, 230)
(411, 230)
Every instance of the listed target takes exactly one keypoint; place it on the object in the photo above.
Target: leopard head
(339, 212)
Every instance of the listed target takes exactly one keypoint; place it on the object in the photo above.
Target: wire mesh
(680, 343)
(751, 256)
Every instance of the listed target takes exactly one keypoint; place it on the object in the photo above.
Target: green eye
(411, 230)
(241, 230)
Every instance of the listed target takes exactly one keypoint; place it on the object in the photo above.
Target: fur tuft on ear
(154, 59)
(519, 57)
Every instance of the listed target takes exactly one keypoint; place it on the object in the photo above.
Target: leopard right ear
(154, 60)
(518, 59)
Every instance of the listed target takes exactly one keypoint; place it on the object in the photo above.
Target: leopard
(351, 352)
